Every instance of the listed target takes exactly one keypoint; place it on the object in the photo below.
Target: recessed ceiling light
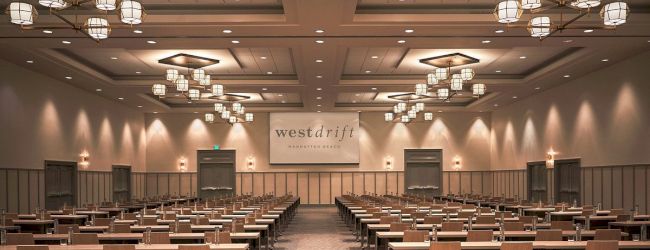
(486, 41)
(368, 71)
(138, 72)
(66, 42)
(318, 111)
(137, 31)
(354, 101)
(68, 77)
(357, 94)
(605, 60)
(155, 112)
(263, 57)
(319, 31)
(588, 31)
(319, 89)
(499, 31)
(189, 101)
(498, 71)
(460, 94)
(234, 41)
(139, 106)
(113, 58)
(401, 41)
(514, 97)
(98, 90)
(439, 111)
(538, 88)
(319, 76)
(264, 89)
(151, 42)
(227, 31)
(320, 41)
(523, 57)
(496, 105)
(280, 95)
(120, 98)
(195, 112)
(269, 73)
(568, 41)
(567, 76)
(374, 57)
(409, 30)
(177, 95)
(30, 61)
(318, 98)
(318, 105)
(319, 61)
(373, 88)
(283, 101)
(48, 31)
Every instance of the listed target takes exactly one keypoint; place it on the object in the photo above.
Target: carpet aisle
(317, 228)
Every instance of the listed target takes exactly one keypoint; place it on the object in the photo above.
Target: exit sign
(215, 147)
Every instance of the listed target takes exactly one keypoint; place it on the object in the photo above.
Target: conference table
(233, 246)
(133, 238)
(536, 245)
(386, 237)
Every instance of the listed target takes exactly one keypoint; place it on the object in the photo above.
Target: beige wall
(45, 119)
(602, 118)
(173, 136)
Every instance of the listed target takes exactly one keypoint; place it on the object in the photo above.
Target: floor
(317, 228)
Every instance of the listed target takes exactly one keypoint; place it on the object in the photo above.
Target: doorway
(121, 183)
(216, 173)
(567, 180)
(537, 177)
(60, 184)
(423, 172)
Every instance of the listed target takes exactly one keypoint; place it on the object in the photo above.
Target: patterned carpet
(317, 228)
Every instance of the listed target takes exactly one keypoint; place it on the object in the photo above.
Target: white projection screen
(314, 138)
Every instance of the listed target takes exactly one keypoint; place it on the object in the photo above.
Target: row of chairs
(591, 245)
(92, 239)
(488, 235)
(115, 247)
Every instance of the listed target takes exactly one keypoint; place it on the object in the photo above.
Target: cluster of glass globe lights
(96, 27)
(191, 90)
(510, 11)
(442, 82)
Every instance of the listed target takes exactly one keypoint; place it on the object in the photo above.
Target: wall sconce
(250, 163)
(84, 158)
(550, 158)
(388, 163)
(457, 165)
(182, 164)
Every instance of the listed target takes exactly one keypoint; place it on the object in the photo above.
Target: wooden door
(60, 184)
(121, 183)
(567, 180)
(216, 173)
(537, 185)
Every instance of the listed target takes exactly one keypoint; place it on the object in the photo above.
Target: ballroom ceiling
(274, 54)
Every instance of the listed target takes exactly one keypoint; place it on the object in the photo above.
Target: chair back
(527, 219)
(623, 217)
(84, 239)
(452, 226)
(372, 210)
(608, 234)
(183, 227)
(194, 247)
(20, 239)
(516, 246)
(418, 215)
(549, 235)
(33, 247)
(602, 245)
(63, 228)
(378, 215)
(506, 214)
(465, 214)
(486, 220)
(441, 245)
(159, 238)
(149, 221)
(399, 227)
(587, 212)
(388, 219)
(562, 225)
(468, 206)
(118, 247)
(480, 235)
(169, 216)
(102, 222)
(121, 228)
(224, 237)
(415, 236)
(432, 220)
(616, 211)
(484, 209)
(449, 210)
(513, 226)
(200, 221)
(130, 216)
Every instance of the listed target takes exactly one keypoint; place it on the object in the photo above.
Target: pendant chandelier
(443, 83)
(540, 26)
(95, 27)
(196, 85)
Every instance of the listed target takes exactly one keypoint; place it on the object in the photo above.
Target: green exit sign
(215, 147)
